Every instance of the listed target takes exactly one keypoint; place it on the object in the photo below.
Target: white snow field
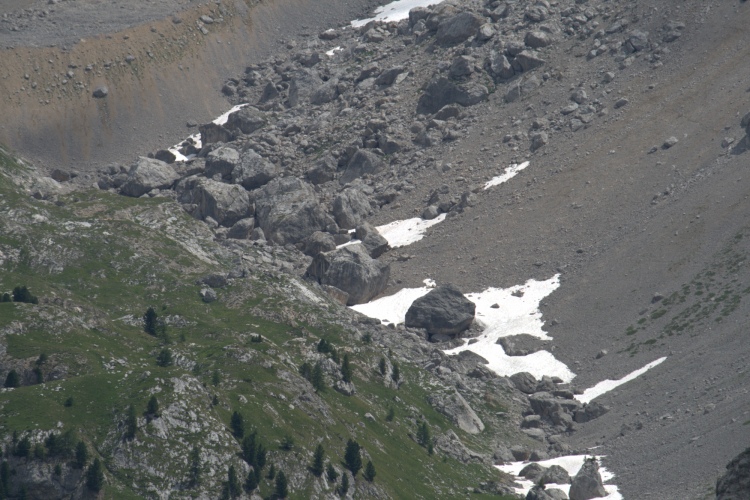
(221, 120)
(572, 464)
(395, 11)
(607, 385)
(516, 312)
(508, 174)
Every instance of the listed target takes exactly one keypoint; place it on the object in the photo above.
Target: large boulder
(455, 407)
(352, 270)
(588, 482)
(325, 93)
(375, 244)
(350, 207)
(288, 211)
(147, 174)
(211, 132)
(458, 28)
(735, 483)
(225, 203)
(253, 171)
(323, 171)
(247, 120)
(362, 162)
(303, 83)
(441, 91)
(221, 161)
(443, 311)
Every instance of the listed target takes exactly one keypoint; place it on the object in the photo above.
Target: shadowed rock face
(588, 482)
(443, 311)
(352, 270)
(735, 483)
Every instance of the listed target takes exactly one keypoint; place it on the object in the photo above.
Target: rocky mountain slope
(632, 116)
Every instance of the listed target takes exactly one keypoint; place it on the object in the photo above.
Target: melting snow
(607, 385)
(401, 233)
(395, 11)
(517, 312)
(221, 120)
(572, 464)
(508, 174)
(330, 53)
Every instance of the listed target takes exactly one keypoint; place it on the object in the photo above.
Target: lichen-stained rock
(288, 211)
(455, 407)
(147, 174)
(351, 270)
(225, 203)
(443, 311)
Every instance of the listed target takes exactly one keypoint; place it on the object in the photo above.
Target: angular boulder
(441, 91)
(147, 174)
(225, 203)
(212, 132)
(222, 161)
(351, 270)
(288, 211)
(242, 229)
(443, 311)
(458, 28)
(735, 483)
(588, 482)
(362, 162)
(375, 244)
(253, 171)
(455, 407)
(318, 242)
(247, 120)
(349, 208)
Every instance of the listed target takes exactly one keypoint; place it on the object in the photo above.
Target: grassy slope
(134, 255)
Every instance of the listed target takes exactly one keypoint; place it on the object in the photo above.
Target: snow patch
(196, 138)
(572, 464)
(607, 385)
(508, 174)
(330, 53)
(395, 11)
(401, 233)
(516, 312)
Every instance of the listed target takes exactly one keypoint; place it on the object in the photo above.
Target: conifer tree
(318, 462)
(344, 488)
(331, 473)
(131, 424)
(382, 366)
(271, 472)
(346, 369)
(352, 458)
(396, 373)
(233, 487)
(316, 379)
(12, 380)
(369, 473)
(152, 408)
(251, 483)
(95, 476)
(282, 487)
(196, 467)
(82, 455)
(150, 321)
(238, 425)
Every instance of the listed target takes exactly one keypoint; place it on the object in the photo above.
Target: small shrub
(22, 294)
(13, 379)
(164, 358)
(287, 443)
(331, 473)
(369, 473)
(68, 402)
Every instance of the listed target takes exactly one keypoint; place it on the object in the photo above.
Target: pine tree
(164, 358)
(131, 424)
(251, 483)
(391, 414)
(382, 366)
(317, 380)
(95, 476)
(287, 443)
(152, 408)
(150, 321)
(216, 378)
(423, 434)
(346, 369)
(324, 346)
(260, 457)
(5, 297)
(12, 380)
(331, 473)
(238, 425)
(22, 294)
(271, 472)
(318, 463)
(23, 448)
(248, 448)
(196, 467)
(282, 488)
(396, 373)
(369, 473)
(352, 458)
(82, 455)
(344, 488)
(233, 483)
(4, 478)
